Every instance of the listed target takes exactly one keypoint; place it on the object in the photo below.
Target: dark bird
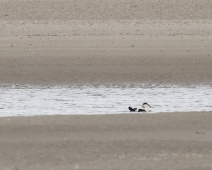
(141, 110)
(132, 109)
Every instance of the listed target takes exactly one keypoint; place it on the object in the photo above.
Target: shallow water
(32, 100)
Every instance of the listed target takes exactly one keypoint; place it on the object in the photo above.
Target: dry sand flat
(136, 141)
(99, 42)
(104, 10)
(106, 59)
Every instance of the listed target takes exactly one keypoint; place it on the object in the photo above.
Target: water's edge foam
(27, 100)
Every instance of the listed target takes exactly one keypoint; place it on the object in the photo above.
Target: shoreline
(106, 114)
(111, 85)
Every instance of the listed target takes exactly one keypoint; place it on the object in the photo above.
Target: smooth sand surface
(137, 141)
(106, 60)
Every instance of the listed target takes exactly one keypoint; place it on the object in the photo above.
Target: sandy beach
(96, 42)
(136, 141)
(108, 59)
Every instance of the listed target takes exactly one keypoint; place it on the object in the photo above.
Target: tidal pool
(55, 100)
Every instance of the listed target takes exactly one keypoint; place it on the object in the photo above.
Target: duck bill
(149, 105)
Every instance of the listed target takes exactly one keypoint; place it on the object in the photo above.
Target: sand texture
(104, 10)
(103, 60)
(155, 141)
(105, 42)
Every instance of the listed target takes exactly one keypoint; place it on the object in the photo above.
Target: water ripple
(49, 100)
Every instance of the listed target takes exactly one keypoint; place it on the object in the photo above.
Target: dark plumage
(132, 109)
(141, 110)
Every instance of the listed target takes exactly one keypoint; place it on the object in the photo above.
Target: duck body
(132, 109)
(141, 110)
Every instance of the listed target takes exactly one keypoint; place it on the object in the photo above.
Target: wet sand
(136, 141)
(96, 42)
